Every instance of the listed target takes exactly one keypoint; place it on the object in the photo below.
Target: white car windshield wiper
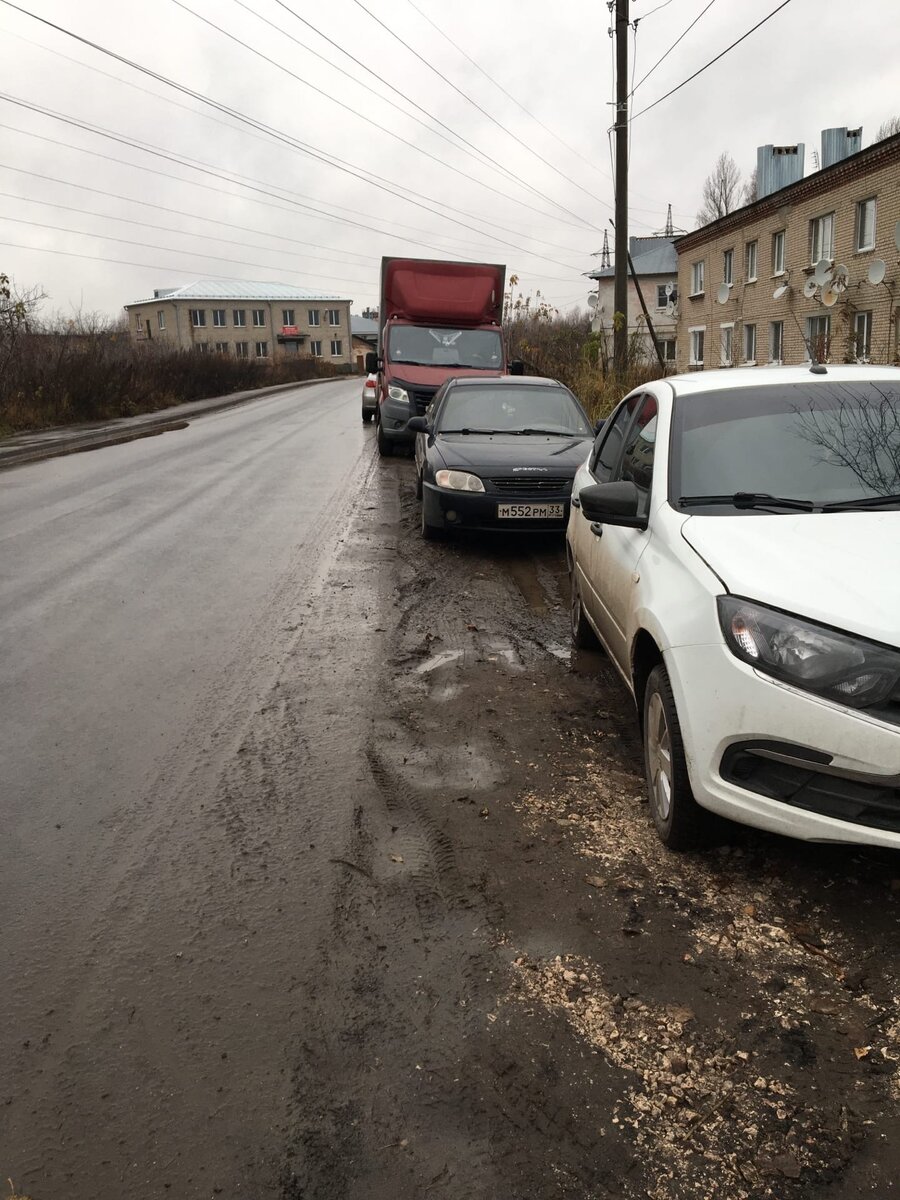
(748, 500)
(862, 503)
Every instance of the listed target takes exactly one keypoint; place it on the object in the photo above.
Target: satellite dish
(823, 271)
(877, 271)
(670, 309)
(723, 293)
(593, 300)
(829, 296)
(670, 288)
(810, 287)
(841, 278)
(897, 235)
(781, 290)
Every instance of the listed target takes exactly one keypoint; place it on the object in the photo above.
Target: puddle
(438, 660)
(496, 650)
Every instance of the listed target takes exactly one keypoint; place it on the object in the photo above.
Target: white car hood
(839, 568)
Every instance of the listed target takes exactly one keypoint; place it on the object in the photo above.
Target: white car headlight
(839, 666)
(459, 481)
(398, 393)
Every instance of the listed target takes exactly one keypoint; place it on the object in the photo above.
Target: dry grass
(13, 1194)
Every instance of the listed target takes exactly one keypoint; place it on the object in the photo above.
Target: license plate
(539, 512)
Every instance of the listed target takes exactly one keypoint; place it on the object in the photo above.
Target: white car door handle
(597, 529)
(576, 503)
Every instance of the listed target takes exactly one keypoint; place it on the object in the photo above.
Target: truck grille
(421, 398)
(529, 484)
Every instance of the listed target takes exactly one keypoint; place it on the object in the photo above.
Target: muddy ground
(424, 943)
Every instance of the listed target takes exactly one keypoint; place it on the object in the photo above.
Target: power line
(706, 66)
(476, 105)
(362, 117)
(644, 16)
(502, 89)
(680, 38)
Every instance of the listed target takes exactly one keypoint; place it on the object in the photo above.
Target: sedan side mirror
(613, 504)
(417, 425)
(371, 362)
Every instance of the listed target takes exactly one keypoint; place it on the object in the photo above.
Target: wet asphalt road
(326, 875)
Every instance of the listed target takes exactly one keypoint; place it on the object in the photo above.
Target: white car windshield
(817, 445)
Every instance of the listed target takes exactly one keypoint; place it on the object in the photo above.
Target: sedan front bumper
(449, 509)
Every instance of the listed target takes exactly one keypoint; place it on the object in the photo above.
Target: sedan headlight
(839, 666)
(398, 393)
(459, 481)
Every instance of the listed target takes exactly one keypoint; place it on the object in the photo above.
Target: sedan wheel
(680, 821)
(583, 635)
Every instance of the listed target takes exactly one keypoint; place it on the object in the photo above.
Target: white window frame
(259, 318)
(201, 347)
(161, 321)
(669, 349)
(661, 298)
(287, 316)
(333, 317)
(750, 359)
(751, 261)
(313, 317)
(262, 349)
(698, 276)
(866, 315)
(819, 317)
(728, 266)
(779, 245)
(315, 348)
(221, 347)
(339, 352)
(818, 243)
(198, 318)
(242, 349)
(726, 327)
(218, 318)
(861, 207)
(779, 325)
(693, 330)
(239, 316)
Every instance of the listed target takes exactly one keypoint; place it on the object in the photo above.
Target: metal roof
(237, 289)
(363, 326)
(659, 259)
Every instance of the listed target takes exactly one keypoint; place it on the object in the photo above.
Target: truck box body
(437, 320)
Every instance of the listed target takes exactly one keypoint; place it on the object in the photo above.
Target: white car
(734, 543)
(369, 397)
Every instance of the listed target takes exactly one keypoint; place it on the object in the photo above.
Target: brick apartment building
(741, 279)
(270, 321)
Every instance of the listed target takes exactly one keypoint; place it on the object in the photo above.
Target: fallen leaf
(397, 858)
(861, 1051)
(749, 910)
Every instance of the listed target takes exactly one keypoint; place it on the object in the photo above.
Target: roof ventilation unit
(778, 166)
(839, 143)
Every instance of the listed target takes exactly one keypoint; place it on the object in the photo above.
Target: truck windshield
(422, 346)
(821, 446)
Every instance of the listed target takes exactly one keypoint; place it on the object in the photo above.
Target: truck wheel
(385, 447)
(680, 821)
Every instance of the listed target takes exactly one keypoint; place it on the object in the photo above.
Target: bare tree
(751, 188)
(887, 129)
(721, 190)
(17, 310)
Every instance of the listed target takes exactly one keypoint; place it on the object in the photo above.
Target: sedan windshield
(423, 347)
(529, 410)
(788, 448)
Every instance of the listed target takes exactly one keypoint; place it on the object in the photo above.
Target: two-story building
(266, 321)
(810, 268)
(656, 268)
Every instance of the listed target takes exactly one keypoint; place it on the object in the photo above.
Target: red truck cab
(437, 320)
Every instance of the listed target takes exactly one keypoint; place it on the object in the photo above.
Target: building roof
(851, 167)
(651, 256)
(237, 289)
(363, 326)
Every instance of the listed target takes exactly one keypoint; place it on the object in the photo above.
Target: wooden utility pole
(620, 301)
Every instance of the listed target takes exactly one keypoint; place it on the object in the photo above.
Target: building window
(138, 323)
(667, 346)
(259, 317)
(728, 267)
(202, 347)
(865, 224)
(313, 315)
(287, 316)
(240, 318)
(727, 332)
(333, 316)
(778, 252)
(262, 349)
(161, 320)
(315, 349)
(198, 317)
(821, 238)
(336, 347)
(862, 336)
(776, 341)
(661, 298)
(818, 337)
(219, 318)
(698, 335)
(752, 256)
(697, 273)
(242, 349)
(750, 343)
(221, 347)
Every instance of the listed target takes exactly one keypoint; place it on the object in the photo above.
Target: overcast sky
(531, 189)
